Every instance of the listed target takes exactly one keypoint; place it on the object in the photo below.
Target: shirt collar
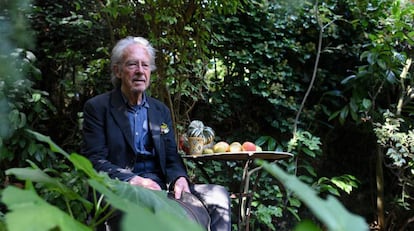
(144, 102)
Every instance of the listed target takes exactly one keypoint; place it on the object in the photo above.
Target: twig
(315, 68)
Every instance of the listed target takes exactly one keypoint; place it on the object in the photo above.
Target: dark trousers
(217, 201)
(214, 197)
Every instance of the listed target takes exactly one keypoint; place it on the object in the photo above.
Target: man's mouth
(135, 80)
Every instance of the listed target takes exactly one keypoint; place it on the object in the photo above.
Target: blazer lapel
(154, 123)
(120, 115)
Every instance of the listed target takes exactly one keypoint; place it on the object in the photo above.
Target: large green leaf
(37, 175)
(117, 190)
(144, 208)
(47, 139)
(30, 212)
(147, 209)
(82, 163)
(330, 211)
(307, 226)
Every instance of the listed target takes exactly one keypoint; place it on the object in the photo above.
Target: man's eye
(135, 65)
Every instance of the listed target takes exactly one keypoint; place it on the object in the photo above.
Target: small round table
(247, 157)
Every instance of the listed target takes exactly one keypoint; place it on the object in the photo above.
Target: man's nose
(139, 67)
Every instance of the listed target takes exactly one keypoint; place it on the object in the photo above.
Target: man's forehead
(136, 51)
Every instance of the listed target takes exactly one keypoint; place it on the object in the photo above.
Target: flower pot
(196, 145)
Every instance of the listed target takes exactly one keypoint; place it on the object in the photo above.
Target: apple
(208, 151)
(249, 146)
(221, 146)
(235, 147)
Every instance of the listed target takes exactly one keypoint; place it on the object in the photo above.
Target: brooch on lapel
(164, 129)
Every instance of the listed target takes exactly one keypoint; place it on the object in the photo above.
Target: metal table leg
(244, 197)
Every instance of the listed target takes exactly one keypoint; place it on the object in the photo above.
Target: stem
(69, 207)
(403, 76)
(315, 69)
(380, 190)
(106, 16)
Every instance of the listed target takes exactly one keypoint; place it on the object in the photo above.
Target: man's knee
(212, 194)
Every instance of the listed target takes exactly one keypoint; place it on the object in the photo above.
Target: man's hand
(144, 182)
(180, 186)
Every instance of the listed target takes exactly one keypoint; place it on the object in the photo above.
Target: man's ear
(116, 70)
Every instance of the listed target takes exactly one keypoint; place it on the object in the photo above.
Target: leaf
(35, 175)
(261, 140)
(346, 80)
(342, 185)
(343, 114)
(30, 212)
(330, 189)
(271, 142)
(390, 75)
(82, 163)
(308, 152)
(366, 103)
(333, 115)
(144, 208)
(17, 119)
(381, 63)
(154, 200)
(307, 226)
(330, 211)
(46, 139)
(36, 97)
(309, 169)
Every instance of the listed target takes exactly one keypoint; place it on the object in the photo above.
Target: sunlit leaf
(30, 212)
(329, 211)
(307, 225)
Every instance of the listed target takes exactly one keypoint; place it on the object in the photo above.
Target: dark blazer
(108, 141)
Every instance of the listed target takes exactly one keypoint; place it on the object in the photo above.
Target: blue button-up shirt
(138, 120)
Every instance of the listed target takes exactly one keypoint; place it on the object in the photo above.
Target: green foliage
(22, 106)
(66, 190)
(145, 208)
(254, 49)
(36, 214)
(305, 142)
(306, 148)
(385, 54)
(265, 215)
(330, 211)
(397, 138)
(379, 93)
(307, 226)
(267, 69)
(345, 183)
(241, 65)
(2, 222)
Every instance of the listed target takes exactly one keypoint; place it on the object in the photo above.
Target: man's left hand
(180, 186)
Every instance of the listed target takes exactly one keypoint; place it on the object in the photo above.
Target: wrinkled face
(134, 71)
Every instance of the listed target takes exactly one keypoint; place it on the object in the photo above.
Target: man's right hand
(144, 182)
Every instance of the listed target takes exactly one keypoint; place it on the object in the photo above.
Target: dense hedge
(245, 68)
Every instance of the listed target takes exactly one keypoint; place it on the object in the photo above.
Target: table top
(245, 155)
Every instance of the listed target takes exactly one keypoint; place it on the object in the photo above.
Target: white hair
(118, 51)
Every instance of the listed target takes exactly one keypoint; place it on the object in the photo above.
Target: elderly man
(129, 134)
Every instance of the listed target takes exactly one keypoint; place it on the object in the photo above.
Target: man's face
(134, 71)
